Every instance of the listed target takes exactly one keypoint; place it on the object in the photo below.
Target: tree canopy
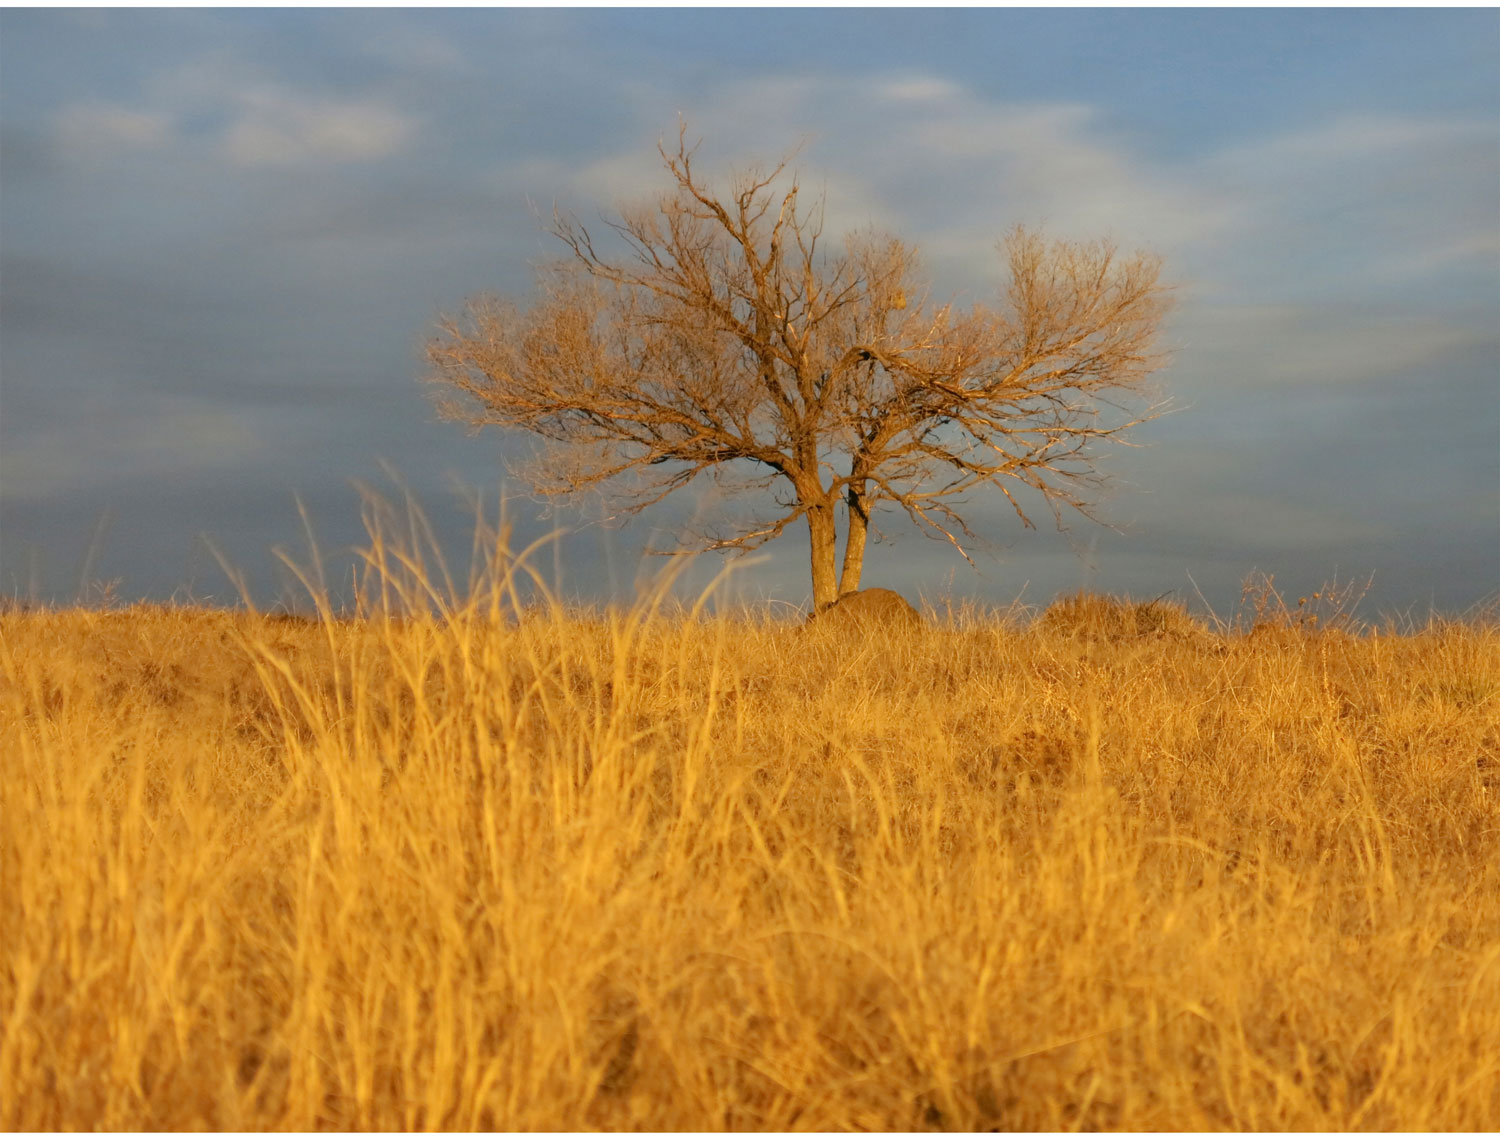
(725, 338)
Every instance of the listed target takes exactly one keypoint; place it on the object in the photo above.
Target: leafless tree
(724, 338)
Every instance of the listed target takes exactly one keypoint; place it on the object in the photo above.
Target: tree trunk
(820, 525)
(854, 548)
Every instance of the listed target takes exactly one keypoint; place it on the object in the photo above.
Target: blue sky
(224, 235)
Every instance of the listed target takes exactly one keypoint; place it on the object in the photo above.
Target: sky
(226, 234)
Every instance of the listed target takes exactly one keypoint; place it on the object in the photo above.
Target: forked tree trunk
(854, 548)
(820, 525)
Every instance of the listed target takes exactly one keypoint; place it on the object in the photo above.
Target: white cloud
(409, 44)
(1297, 252)
(635, 174)
(620, 179)
(1336, 206)
(248, 116)
(89, 129)
(244, 113)
(1360, 202)
(1048, 166)
(1481, 244)
(1292, 249)
(1357, 136)
(921, 88)
(277, 128)
(924, 157)
(1306, 344)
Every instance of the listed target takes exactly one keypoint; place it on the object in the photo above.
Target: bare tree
(726, 339)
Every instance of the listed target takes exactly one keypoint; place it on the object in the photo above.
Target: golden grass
(674, 872)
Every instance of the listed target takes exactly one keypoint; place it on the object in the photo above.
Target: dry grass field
(1107, 869)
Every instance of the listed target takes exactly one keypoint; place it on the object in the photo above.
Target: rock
(870, 608)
